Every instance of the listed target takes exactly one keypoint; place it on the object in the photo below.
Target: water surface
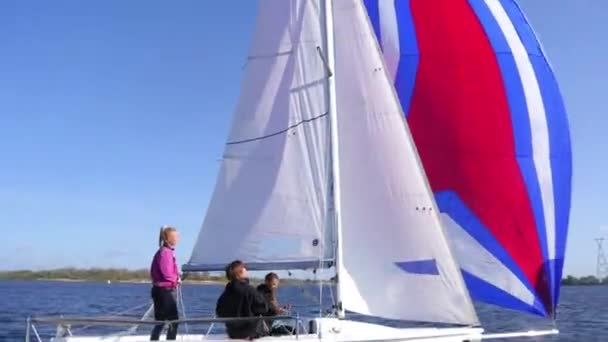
(582, 312)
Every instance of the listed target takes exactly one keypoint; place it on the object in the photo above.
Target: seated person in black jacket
(269, 290)
(240, 299)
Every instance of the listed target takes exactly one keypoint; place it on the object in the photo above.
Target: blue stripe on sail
(556, 267)
(522, 131)
(373, 11)
(559, 139)
(419, 266)
(449, 203)
(524, 30)
(483, 291)
(405, 79)
(408, 47)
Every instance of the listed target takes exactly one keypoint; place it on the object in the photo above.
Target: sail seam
(273, 55)
(279, 132)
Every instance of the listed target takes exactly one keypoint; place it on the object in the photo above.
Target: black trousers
(165, 309)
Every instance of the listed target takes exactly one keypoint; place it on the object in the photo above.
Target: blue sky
(113, 117)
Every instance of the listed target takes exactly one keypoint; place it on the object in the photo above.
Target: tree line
(96, 274)
(115, 274)
(118, 274)
(586, 280)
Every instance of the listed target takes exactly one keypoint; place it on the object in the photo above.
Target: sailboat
(365, 141)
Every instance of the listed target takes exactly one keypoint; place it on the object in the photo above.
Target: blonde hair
(164, 234)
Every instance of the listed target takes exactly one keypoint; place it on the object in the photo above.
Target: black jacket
(273, 310)
(240, 299)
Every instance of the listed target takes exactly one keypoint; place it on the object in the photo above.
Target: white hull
(331, 329)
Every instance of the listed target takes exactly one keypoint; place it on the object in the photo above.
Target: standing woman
(165, 279)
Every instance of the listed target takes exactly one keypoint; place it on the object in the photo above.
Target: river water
(582, 314)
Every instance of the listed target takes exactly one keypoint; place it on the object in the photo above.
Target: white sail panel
(396, 260)
(473, 258)
(269, 204)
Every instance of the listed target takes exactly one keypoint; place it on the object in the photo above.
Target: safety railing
(65, 323)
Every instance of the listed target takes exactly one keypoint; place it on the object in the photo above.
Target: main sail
(396, 260)
(488, 119)
(270, 201)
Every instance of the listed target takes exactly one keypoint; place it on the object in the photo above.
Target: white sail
(396, 260)
(269, 204)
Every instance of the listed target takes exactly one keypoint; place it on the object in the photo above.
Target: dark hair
(271, 276)
(231, 268)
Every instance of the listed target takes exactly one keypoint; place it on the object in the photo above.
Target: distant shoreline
(212, 282)
(142, 277)
(584, 281)
(102, 275)
(122, 281)
(117, 276)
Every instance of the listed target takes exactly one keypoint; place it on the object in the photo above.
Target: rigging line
(180, 298)
(277, 133)
(115, 313)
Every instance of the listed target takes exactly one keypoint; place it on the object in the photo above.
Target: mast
(329, 48)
